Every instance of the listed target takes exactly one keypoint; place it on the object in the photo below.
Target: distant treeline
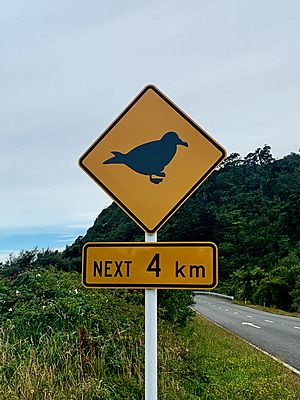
(250, 207)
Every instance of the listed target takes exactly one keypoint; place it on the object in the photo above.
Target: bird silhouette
(150, 158)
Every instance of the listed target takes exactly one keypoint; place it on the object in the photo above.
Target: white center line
(249, 316)
(226, 309)
(250, 324)
(297, 327)
(267, 320)
(235, 312)
(219, 307)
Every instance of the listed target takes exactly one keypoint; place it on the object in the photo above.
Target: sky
(69, 67)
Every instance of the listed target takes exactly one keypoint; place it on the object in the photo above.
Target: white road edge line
(296, 371)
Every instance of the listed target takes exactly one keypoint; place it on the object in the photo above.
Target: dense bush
(48, 319)
(61, 341)
(250, 208)
(278, 287)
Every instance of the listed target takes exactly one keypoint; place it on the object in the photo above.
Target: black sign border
(189, 192)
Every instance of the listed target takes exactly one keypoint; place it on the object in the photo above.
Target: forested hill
(250, 207)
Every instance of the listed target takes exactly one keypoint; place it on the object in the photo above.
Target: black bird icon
(150, 158)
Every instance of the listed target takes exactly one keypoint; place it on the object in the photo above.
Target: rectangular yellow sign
(162, 265)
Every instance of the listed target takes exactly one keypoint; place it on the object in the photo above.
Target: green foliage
(250, 208)
(245, 282)
(47, 307)
(277, 287)
(61, 341)
(40, 300)
(174, 305)
(295, 295)
(16, 264)
(29, 259)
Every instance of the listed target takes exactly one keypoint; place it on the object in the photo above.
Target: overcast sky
(68, 68)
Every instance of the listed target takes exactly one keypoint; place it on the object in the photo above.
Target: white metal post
(150, 337)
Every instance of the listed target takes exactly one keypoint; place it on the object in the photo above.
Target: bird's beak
(185, 144)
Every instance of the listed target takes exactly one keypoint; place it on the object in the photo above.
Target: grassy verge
(200, 361)
(233, 370)
(59, 341)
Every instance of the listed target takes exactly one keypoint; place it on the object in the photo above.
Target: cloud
(68, 70)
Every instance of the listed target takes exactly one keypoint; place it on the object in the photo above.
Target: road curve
(278, 335)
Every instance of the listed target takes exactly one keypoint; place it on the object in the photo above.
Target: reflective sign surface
(150, 265)
(151, 158)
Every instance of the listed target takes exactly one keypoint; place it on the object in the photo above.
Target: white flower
(44, 307)
(17, 292)
(76, 291)
(10, 309)
(38, 275)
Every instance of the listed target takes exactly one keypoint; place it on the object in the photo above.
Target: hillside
(250, 208)
(62, 341)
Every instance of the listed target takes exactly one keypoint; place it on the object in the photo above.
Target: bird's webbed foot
(156, 180)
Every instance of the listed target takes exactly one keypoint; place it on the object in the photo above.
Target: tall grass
(199, 361)
(59, 341)
(62, 366)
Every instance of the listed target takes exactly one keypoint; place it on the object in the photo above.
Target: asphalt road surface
(277, 334)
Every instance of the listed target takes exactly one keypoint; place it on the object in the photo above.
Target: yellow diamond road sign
(151, 158)
(161, 265)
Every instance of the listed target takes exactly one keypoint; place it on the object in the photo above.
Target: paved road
(277, 334)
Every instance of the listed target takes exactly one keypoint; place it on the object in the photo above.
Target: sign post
(150, 160)
(150, 336)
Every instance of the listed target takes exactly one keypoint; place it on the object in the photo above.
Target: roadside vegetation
(249, 207)
(272, 310)
(61, 341)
